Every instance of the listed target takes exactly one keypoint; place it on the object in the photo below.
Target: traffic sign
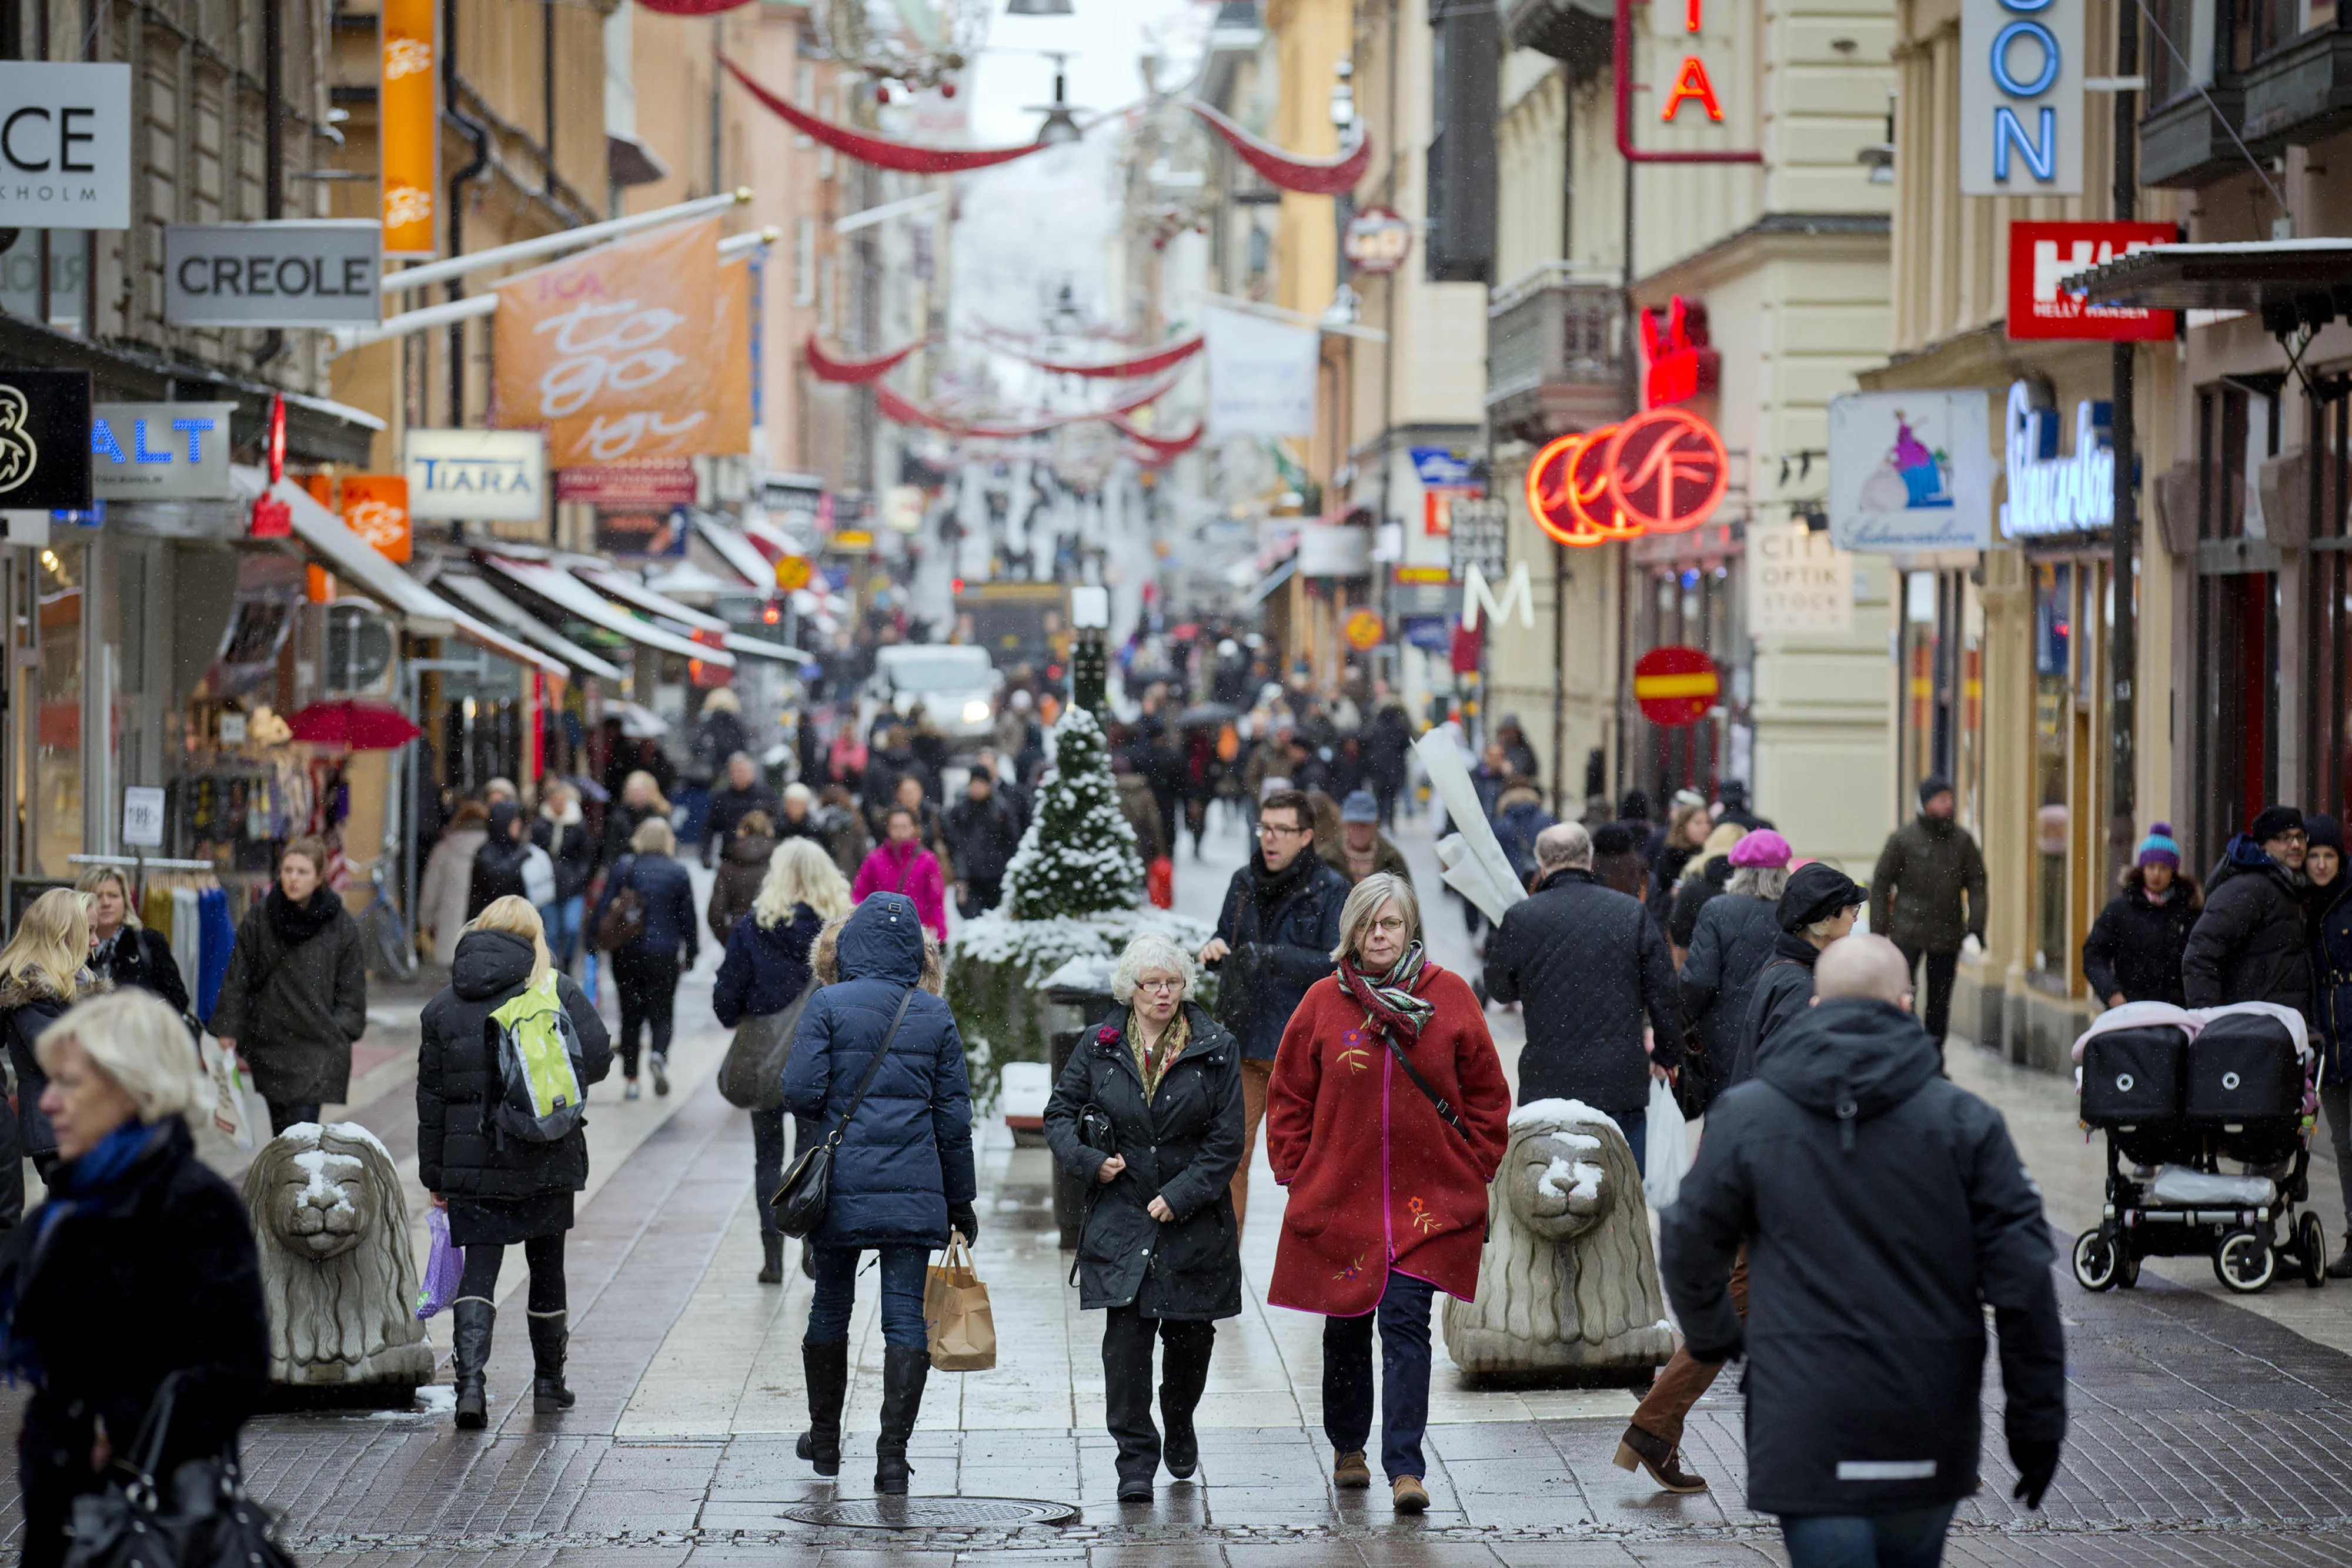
(792, 572)
(1675, 685)
(1365, 632)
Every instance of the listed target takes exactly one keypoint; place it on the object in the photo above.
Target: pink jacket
(910, 868)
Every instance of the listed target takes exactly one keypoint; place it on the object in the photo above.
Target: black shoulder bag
(199, 1517)
(799, 1203)
(1428, 1089)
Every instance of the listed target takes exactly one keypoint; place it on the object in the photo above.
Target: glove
(961, 1217)
(2037, 1465)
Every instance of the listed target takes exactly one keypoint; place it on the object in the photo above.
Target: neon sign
(1682, 362)
(1690, 85)
(2052, 494)
(1660, 472)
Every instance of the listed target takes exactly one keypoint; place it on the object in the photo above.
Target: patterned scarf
(1389, 999)
(1153, 1065)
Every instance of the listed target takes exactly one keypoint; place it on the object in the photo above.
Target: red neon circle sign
(1666, 470)
(1549, 481)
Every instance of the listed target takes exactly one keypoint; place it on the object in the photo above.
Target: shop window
(2327, 615)
(1940, 719)
(2233, 721)
(52, 814)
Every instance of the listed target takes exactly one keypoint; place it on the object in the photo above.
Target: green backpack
(539, 1056)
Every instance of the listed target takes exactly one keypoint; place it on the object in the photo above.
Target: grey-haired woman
(1150, 1110)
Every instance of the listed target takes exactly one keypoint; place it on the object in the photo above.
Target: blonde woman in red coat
(1388, 1189)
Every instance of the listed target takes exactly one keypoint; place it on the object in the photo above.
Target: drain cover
(930, 1512)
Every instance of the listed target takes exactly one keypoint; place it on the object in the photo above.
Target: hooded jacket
(907, 1156)
(1784, 989)
(1928, 866)
(1589, 965)
(498, 864)
(1182, 1144)
(2249, 945)
(1883, 1208)
(1734, 939)
(736, 884)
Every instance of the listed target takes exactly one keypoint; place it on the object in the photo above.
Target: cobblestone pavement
(2206, 1429)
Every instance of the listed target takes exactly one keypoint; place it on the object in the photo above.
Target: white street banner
(1261, 376)
(490, 475)
(65, 145)
(1798, 581)
(2021, 67)
(1911, 471)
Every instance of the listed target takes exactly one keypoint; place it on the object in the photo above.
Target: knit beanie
(2157, 848)
(2273, 821)
(2324, 831)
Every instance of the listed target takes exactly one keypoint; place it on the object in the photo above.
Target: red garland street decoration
(904, 157)
(901, 410)
(1150, 365)
(1158, 449)
(1308, 176)
(826, 368)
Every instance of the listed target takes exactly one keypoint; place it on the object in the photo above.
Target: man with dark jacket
(1869, 1191)
(981, 836)
(739, 794)
(1815, 909)
(1590, 964)
(1360, 848)
(1275, 938)
(498, 864)
(2249, 945)
(1731, 795)
(1731, 942)
(1930, 864)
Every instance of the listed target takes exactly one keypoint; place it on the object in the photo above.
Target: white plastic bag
(232, 1114)
(1667, 1154)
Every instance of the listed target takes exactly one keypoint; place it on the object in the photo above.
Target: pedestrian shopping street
(2204, 1429)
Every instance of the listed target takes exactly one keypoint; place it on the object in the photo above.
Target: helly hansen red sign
(2041, 253)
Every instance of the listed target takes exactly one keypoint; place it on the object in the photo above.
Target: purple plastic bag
(443, 1265)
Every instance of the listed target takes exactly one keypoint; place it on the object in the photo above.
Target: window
(804, 261)
(805, 97)
(2258, 26)
(2179, 51)
(828, 314)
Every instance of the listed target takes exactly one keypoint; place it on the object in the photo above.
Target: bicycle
(390, 946)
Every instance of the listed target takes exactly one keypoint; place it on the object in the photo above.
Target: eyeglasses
(1159, 983)
(1391, 925)
(1275, 830)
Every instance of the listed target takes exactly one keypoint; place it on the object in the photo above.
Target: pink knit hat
(1762, 848)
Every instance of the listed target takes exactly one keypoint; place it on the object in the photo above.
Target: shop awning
(637, 596)
(504, 612)
(1274, 580)
(558, 586)
(737, 551)
(2275, 276)
(422, 612)
(751, 647)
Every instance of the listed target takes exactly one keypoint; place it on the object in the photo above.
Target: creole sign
(302, 273)
(1660, 472)
(1675, 685)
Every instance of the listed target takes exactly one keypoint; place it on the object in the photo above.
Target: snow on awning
(1274, 580)
(559, 587)
(2253, 275)
(783, 653)
(738, 552)
(637, 596)
(506, 612)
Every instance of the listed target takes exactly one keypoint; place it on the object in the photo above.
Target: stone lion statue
(1568, 1285)
(332, 1223)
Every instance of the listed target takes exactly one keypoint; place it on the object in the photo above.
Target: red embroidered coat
(1376, 1178)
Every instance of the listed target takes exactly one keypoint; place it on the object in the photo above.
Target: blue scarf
(76, 1186)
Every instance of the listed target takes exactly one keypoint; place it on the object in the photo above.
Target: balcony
(1554, 355)
(2298, 94)
(1578, 33)
(2186, 143)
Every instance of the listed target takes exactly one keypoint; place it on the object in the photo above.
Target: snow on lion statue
(1568, 1285)
(336, 1267)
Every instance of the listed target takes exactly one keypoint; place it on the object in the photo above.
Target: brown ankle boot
(1639, 1449)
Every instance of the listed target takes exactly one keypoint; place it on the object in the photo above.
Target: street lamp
(1061, 125)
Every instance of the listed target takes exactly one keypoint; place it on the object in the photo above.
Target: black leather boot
(771, 1271)
(471, 1318)
(904, 1369)
(826, 1369)
(549, 1333)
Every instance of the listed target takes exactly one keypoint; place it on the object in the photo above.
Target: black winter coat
(29, 1004)
(156, 1275)
(730, 806)
(1883, 1208)
(1784, 989)
(569, 846)
(1928, 890)
(2249, 944)
(497, 1186)
(1184, 1146)
(981, 836)
(1588, 963)
(143, 958)
(736, 886)
(2134, 946)
(766, 967)
(2331, 977)
(498, 869)
(1692, 896)
(295, 1011)
(620, 823)
(1734, 941)
(1277, 953)
(669, 905)
(906, 1156)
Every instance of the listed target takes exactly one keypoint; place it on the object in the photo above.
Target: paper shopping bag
(955, 1313)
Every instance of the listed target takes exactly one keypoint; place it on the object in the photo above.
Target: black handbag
(203, 1519)
(801, 1202)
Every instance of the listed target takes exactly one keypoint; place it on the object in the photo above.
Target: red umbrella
(354, 725)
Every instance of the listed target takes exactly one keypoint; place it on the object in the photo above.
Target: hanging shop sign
(1675, 685)
(654, 484)
(641, 533)
(408, 123)
(2051, 492)
(622, 329)
(376, 508)
(2021, 65)
(160, 451)
(44, 456)
(792, 572)
(296, 273)
(488, 475)
(1364, 631)
(1377, 240)
(1682, 362)
(65, 145)
(1663, 471)
(2040, 254)
(1910, 471)
(1798, 581)
(1478, 534)
(1261, 376)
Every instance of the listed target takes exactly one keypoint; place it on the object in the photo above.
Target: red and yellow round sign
(1675, 685)
(1364, 631)
(792, 572)
(1662, 471)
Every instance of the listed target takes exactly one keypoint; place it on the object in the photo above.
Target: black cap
(1933, 785)
(2324, 831)
(2273, 821)
(1817, 891)
(1612, 839)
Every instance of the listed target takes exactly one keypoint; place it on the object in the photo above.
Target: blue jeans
(1636, 1128)
(902, 1295)
(563, 920)
(1912, 1539)
(1404, 1315)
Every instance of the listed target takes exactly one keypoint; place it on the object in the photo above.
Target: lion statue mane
(332, 1223)
(1568, 1285)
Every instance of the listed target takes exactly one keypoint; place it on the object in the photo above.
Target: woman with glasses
(1149, 1112)
(1386, 1119)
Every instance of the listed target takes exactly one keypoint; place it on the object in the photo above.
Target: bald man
(1882, 1207)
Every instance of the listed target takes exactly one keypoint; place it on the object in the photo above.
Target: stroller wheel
(2096, 1260)
(2126, 1266)
(2311, 1251)
(2243, 1262)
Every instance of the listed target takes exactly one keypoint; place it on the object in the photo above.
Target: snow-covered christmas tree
(1079, 854)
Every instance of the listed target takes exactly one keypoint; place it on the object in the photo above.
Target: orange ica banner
(626, 328)
(721, 428)
(409, 117)
(376, 508)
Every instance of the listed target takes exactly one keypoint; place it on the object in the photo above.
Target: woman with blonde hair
(122, 951)
(42, 973)
(641, 798)
(647, 968)
(499, 1188)
(295, 997)
(763, 983)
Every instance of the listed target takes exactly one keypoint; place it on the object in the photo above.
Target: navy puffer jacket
(908, 1154)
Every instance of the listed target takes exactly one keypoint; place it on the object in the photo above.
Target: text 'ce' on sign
(65, 145)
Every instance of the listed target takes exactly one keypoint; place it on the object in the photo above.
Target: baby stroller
(2180, 1095)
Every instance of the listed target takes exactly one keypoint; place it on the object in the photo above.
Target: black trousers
(769, 1156)
(981, 895)
(284, 1115)
(1935, 1003)
(1126, 1380)
(544, 1256)
(648, 986)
